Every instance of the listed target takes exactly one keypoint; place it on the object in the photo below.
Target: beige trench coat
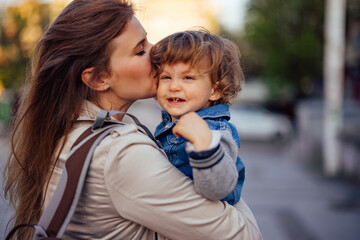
(132, 192)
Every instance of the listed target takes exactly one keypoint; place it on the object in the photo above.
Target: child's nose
(175, 85)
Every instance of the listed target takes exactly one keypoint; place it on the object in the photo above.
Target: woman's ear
(97, 84)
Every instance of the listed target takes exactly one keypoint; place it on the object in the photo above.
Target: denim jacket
(216, 171)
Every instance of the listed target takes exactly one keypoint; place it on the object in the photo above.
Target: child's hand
(192, 127)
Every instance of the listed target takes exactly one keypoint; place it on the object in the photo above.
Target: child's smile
(176, 100)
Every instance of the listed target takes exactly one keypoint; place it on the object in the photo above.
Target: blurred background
(298, 115)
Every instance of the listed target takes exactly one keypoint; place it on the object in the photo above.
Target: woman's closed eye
(142, 47)
(140, 53)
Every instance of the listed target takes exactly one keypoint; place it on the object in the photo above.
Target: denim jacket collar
(217, 111)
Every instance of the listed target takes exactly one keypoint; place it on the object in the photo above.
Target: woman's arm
(145, 188)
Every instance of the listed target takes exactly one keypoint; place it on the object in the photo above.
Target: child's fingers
(176, 131)
(195, 129)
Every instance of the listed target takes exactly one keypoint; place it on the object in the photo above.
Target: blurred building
(310, 113)
(352, 67)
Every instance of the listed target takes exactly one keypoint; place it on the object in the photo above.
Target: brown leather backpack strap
(88, 132)
(58, 211)
(73, 166)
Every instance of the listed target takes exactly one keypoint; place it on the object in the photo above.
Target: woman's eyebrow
(139, 44)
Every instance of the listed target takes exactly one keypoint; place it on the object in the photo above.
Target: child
(200, 72)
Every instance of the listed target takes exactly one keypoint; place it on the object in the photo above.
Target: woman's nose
(149, 45)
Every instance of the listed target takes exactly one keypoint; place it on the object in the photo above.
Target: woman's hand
(195, 129)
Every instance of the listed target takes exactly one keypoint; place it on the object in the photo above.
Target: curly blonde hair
(222, 55)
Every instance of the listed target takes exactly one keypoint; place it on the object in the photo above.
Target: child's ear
(97, 84)
(215, 93)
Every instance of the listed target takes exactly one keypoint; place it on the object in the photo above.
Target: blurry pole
(334, 59)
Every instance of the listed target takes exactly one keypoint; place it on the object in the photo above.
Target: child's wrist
(215, 141)
(203, 142)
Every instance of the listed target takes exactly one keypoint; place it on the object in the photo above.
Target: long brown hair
(79, 38)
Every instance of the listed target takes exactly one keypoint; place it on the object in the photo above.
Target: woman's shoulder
(128, 135)
(123, 135)
(122, 151)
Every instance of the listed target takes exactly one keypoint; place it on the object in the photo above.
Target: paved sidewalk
(291, 202)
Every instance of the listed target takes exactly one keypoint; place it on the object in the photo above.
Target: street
(292, 202)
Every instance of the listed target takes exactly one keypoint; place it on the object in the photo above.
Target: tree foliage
(285, 45)
(21, 27)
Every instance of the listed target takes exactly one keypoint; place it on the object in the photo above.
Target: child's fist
(195, 129)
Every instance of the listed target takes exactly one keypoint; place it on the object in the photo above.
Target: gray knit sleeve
(214, 170)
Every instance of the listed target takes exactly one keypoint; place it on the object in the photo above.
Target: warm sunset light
(163, 17)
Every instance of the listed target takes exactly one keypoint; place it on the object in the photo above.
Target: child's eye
(189, 77)
(142, 52)
(165, 77)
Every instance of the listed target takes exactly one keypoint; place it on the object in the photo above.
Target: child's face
(183, 89)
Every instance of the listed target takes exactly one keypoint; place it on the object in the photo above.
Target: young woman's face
(130, 70)
(183, 89)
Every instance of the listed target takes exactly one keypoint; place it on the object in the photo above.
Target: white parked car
(254, 122)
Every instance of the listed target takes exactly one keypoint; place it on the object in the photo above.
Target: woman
(95, 55)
